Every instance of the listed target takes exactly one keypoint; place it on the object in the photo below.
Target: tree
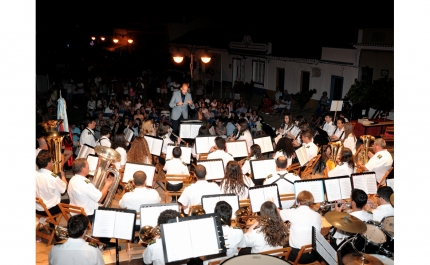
(303, 97)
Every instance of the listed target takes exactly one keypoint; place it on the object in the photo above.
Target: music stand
(336, 105)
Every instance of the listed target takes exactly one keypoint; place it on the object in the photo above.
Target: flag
(64, 126)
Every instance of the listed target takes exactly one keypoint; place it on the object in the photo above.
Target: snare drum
(255, 259)
(387, 225)
(371, 241)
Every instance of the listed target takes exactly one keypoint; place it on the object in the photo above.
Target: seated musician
(165, 132)
(327, 126)
(345, 164)
(243, 133)
(384, 208)
(268, 231)
(235, 182)
(154, 253)
(339, 133)
(284, 147)
(310, 147)
(302, 219)
(246, 166)
(379, 162)
(283, 179)
(140, 195)
(175, 166)
(76, 250)
(139, 151)
(234, 235)
(218, 151)
(358, 200)
(192, 195)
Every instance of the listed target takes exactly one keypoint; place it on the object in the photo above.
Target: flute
(179, 138)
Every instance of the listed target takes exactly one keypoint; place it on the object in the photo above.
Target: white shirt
(255, 240)
(380, 163)
(104, 141)
(84, 194)
(383, 211)
(341, 170)
(166, 142)
(175, 166)
(329, 128)
(75, 251)
(48, 188)
(311, 150)
(302, 219)
(87, 137)
(284, 186)
(340, 133)
(246, 168)
(226, 157)
(350, 142)
(133, 199)
(235, 239)
(248, 138)
(123, 160)
(244, 195)
(192, 195)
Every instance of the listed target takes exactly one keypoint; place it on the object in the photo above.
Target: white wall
(338, 55)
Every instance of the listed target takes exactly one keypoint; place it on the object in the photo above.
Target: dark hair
(119, 141)
(77, 225)
(385, 192)
(104, 130)
(243, 125)
(329, 115)
(256, 151)
(177, 152)
(233, 179)
(341, 119)
(220, 142)
(272, 226)
(359, 197)
(78, 165)
(200, 171)
(224, 209)
(139, 178)
(43, 158)
(166, 215)
(282, 162)
(286, 145)
(88, 120)
(346, 156)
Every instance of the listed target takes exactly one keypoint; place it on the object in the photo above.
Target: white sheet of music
(149, 215)
(177, 241)
(327, 252)
(365, 182)
(204, 144)
(186, 153)
(372, 188)
(155, 145)
(92, 162)
(262, 168)
(258, 196)
(332, 189)
(314, 187)
(209, 203)
(189, 130)
(124, 224)
(302, 156)
(237, 148)
(194, 130)
(129, 134)
(390, 183)
(203, 237)
(131, 168)
(214, 169)
(104, 223)
(345, 187)
(265, 144)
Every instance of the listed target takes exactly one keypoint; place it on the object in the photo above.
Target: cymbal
(392, 199)
(346, 222)
(356, 259)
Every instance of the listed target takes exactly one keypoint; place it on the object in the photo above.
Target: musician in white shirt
(328, 125)
(339, 133)
(310, 147)
(350, 140)
(379, 162)
(218, 151)
(105, 135)
(345, 165)
(243, 133)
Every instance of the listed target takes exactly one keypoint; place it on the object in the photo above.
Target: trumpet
(326, 206)
(63, 234)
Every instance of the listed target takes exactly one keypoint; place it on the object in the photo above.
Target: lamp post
(129, 40)
(178, 57)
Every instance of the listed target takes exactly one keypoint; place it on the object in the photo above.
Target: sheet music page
(203, 144)
(327, 252)
(157, 145)
(332, 189)
(149, 171)
(314, 187)
(195, 130)
(92, 162)
(261, 143)
(207, 165)
(302, 156)
(124, 224)
(129, 170)
(209, 203)
(256, 198)
(390, 183)
(271, 193)
(372, 188)
(129, 134)
(173, 206)
(231, 148)
(258, 170)
(104, 223)
(150, 141)
(268, 147)
(185, 131)
(177, 238)
(186, 154)
(204, 237)
(242, 150)
(149, 216)
(358, 181)
(217, 169)
(345, 187)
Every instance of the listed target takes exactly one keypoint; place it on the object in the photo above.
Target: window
(366, 74)
(258, 71)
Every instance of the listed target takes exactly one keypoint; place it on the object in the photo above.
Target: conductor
(179, 104)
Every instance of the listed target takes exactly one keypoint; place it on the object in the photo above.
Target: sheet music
(131, 168)
(365, 182)
(315, 187)
(332, 189)
(302, 156)
(186, 153)
(104, 223)
(149, 215)
(214, 168)
(189, 130)
(237, 148)
(204, 144)
(324, 249)
(92, 162)
(390, 183)
(195, 130)
(124, 225)
(358, 181)
(372, 188)
(177, 241)
(345, 187)
(203, 238)
(259, 195)
(265, 143)
(208, 203)
(129, 134)
(155, 145)
(262, 168)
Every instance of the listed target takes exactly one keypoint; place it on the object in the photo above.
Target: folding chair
(382, 182)
(294, 168)
(283, 253)
(287, 197)
(303, 250)
(174, 177)
(50, 219)
(67, 209)
(308, 171)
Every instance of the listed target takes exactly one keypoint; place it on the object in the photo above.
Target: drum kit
(371, 238)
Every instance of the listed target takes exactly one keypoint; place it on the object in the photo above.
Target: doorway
(280, 78)
(304, 84)
(236, 67)
(336, 88)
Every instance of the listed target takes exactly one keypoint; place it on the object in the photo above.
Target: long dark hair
(286, 145)
(272, 226)
(233, 179)
(119, 141)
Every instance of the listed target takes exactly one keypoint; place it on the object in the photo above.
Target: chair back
(67, 209)
(382, 182)
(306, 174)
(174, 177)
(294, 168)
(282, 253)
(50, 219)
(303, 250)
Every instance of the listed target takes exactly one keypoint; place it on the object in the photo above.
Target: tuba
(106, 157)
(63, 234)
(54, 140)
(362, 156)
(336, 148)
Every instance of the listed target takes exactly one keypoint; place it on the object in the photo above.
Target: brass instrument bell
(367, 139)
(196, 210)
(148, 233)
(242, 211)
